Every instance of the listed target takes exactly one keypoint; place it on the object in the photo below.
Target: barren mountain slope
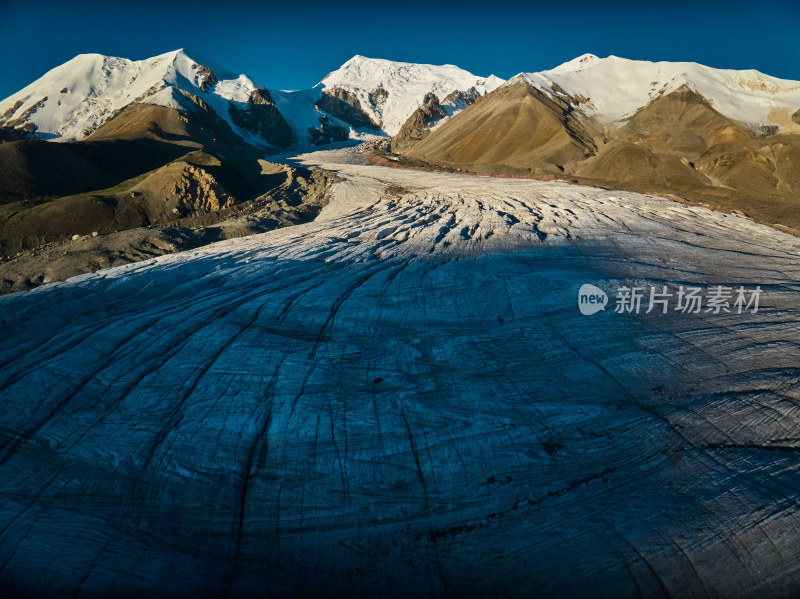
(181, 206)
(516, 130)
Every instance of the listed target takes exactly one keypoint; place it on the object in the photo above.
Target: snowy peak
(577, 64)
(612, 89)
(363, 72)
(389, 92)
(369, 96)
(74, 99)
(365, 96)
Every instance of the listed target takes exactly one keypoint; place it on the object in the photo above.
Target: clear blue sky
(293, 44)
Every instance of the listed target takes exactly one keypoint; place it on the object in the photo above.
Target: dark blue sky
(293, 44)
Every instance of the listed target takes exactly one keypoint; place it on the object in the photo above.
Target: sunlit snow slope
(72, 100)
(390, 91)
(613, 88)
(402, 399)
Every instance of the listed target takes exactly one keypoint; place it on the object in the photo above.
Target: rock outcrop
(21, 120)
(180, 189)
(378, 97)
(344, 105)
(205, 76)
(262, 119)
(460, 99)
(327, 133)
(418, 125)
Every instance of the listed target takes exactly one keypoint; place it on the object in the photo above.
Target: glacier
(402, 399)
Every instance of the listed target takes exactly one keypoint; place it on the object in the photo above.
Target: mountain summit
(365, 95)
(368, 96)
(611, 89)
(72, 100)
(389, 92)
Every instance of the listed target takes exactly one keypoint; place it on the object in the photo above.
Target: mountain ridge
(372, 96)
(72, 100)
(613, 88)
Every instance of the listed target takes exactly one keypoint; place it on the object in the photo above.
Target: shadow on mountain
(148, 166)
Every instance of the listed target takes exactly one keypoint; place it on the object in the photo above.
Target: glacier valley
(402, 399)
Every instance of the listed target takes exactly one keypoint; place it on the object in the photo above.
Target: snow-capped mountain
(611, 89)
(372, 96)
(678, 128)
(365, 96)
(389, 92)
(74, 99)
(368, 96)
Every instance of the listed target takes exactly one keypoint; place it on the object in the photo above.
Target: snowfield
(72, 100)
(613, 88)
(404, 84)
(402, 398)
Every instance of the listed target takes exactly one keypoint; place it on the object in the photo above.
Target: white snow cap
(81, 94)
(576, 64)
(617, 87)
(72, 100)
(406, 85)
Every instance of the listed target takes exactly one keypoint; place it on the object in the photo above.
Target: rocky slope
(182, 205)
(518, 127)
(430, 115)
(403, 399)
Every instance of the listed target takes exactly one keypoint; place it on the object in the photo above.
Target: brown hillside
(678, 144)
(196, 190)
(680, 123)
(515, 130)
(139, 138)
(629, 163)
(33, 167)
